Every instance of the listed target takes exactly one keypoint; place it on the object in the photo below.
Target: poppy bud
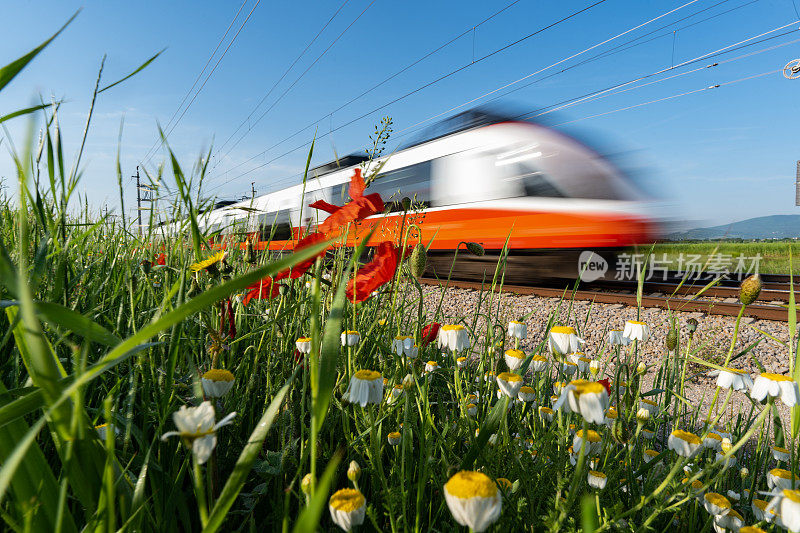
(750, 289)
(284, 289)
(619, 432)
(672, 339)
(691, 325)
(249, 253)
(146, 266)
(406, 203)
(418, 261)
(475, 249)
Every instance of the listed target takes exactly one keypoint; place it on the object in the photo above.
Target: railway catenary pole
(138, 202)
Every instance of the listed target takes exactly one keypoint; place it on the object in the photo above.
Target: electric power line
(166, 134)
(200, 75)
(454, 72)
(284, 74)
(605, 92)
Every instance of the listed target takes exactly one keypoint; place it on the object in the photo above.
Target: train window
(413, 181)
(275, 226)
(532, 181)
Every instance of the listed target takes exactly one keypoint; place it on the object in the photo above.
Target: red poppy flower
(161, 259)
(430, 332)
(375, 273)
(607, 384)
(302, 267)
(264, 289)
(358, 209)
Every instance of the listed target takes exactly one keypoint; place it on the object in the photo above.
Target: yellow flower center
(775, 377)
(566, 330)
(793, 495)
(546, 410)
(368, 375)
(526, 390)
(780, 450)
(510, 377)
(540, 358)
(592, 435)
(649, 402)
(517, 354)
(304, 339)
(637, 322)
(347, 500)
(651, 453)
(394, 435)
(218, 374)
(717, 499)
(595, 473)
(350, 332)
(101, 426)
(781, 473)
(471, 405)
(516, 322)
(761, 504)
(691, 438)
(452, 327)
(432, 363)
(714, 436)
(733, 370)
(587, 387)
(751, 529)
(470, 484)
(401, 337)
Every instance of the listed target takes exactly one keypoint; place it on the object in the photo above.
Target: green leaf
(64, 317)
(10, 71)
(246, 459)
(489, 427)
(135, 72)
(21, 112)
(309, 518)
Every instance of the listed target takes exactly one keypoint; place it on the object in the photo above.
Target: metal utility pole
(144, 193)
(138, 202)
(253, 190)
(797, 186)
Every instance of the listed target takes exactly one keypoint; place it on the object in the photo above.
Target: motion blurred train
(477, 176)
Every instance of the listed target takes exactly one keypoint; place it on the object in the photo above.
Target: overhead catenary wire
(286, 91)
(605, 92)
(418, 89)
(469, 30)
(200, 75)
(208, 77)
(610, 39)
(695, 91)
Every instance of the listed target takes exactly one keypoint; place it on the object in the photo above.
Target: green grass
(93, 334)
(774, 256)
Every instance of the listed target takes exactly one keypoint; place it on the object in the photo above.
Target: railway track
(718, 300)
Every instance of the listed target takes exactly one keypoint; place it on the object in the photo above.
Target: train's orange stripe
(491, 227)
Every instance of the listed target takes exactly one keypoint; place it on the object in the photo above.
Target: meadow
(772, 256)
(154, 382)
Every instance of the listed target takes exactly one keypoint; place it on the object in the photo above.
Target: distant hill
(771, 227)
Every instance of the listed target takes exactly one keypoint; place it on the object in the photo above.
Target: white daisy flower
(348, 508)
(636, 331)
(366, 386)
(563, 340)
(473, 499)
(197, 429)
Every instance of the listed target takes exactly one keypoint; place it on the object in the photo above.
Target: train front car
(557, 206)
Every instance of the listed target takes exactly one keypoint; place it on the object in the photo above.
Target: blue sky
(721, 155)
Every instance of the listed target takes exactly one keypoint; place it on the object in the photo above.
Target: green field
(773, 256)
